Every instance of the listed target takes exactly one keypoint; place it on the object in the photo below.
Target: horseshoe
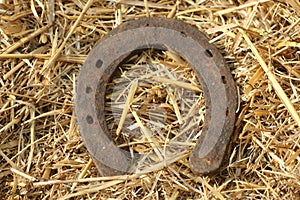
(211, 150)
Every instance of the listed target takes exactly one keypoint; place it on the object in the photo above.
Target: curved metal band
(162, 34)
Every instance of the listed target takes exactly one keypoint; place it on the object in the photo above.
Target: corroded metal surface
(161, 34)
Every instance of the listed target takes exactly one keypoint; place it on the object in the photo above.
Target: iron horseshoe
(215, 77)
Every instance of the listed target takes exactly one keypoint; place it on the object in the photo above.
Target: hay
(44, 43)
(159, 108)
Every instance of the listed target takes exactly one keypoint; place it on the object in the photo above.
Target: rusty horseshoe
(215, 77)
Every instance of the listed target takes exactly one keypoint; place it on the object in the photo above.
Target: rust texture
(211, 150)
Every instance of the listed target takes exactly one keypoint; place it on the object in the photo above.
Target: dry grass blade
(148, 135)
(243, 6)
(7, 159)
(142, 4)
(82, 174)
(175, 106)
(54, 112)
(92, 189)
(129, 99)
(32, 138)
(24, 40)
(78, 59)
(178, 83)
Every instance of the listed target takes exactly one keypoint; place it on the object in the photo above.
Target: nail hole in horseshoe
(88, 89)
(208, 53)
(99, 63)
(224, 79)
(89, 119)
(183, 33)
(227, 111)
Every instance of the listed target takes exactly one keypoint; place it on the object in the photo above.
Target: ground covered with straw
(43, 46)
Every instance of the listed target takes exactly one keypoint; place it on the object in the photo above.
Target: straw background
(42, 47)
